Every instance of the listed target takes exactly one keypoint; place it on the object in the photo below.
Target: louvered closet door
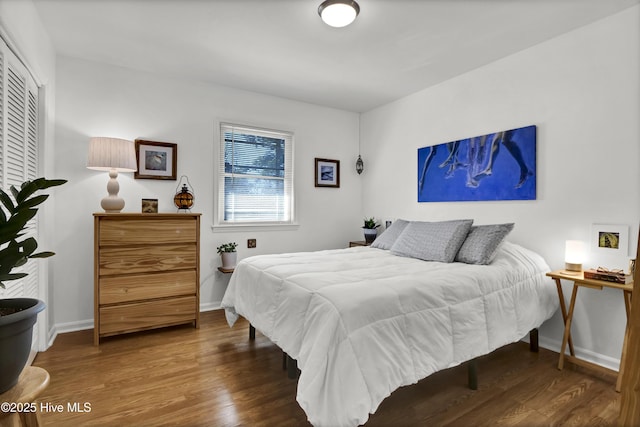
(18, 150)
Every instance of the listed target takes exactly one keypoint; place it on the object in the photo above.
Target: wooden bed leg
(472, 372)
(533, 341)
(284, 361)
(292, 368)
(252, 332)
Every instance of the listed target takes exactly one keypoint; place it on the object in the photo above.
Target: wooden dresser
(146, 271)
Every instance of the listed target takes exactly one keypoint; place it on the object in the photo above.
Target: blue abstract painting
(497, 166)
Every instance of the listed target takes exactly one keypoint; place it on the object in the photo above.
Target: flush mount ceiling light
(338, 13)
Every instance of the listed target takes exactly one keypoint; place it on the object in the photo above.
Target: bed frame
(291, 365)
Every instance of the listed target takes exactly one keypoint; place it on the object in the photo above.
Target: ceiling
(282, 48)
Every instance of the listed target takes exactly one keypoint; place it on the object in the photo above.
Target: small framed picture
(149, 205)
(611, 239)
(327, 173)
(156, 160)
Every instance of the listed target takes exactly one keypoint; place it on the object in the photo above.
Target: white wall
(581, 90)
(98, 100)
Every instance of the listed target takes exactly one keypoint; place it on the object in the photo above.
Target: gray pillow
(482, 243)
(387, 238)
(432, 241)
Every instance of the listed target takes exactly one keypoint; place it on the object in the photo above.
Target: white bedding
(362, 322)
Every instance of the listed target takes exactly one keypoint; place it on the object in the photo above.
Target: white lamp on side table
(113, 155)
(574, 255)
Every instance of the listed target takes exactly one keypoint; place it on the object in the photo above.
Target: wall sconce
(113, 155)
(574, 254)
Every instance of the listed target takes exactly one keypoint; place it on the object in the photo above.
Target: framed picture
(156, 160)
(610, 239)
(149, 205)
(327, 173)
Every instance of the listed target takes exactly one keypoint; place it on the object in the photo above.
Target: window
(18, 149)
(255, 177)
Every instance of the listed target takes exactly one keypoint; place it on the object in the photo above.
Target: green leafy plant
(13, 223)
(227, 247)
(370, 223)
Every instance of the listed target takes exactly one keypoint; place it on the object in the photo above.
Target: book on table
(608, 276)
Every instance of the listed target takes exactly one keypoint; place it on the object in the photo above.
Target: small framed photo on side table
(610, 239)
(149, 205)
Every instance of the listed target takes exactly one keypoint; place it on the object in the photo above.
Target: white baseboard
(61, 328)
(544, 342)
(83, 325)
(51, 337)
(210, 306)
(582, 353)
(74, 326)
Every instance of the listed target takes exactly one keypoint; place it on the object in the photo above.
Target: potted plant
(370, 229)
(18, 315)
(228, 254)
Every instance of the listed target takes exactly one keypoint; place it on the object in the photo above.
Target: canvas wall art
(497, 166)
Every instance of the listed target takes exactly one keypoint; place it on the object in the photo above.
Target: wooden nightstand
(579, 281)
(358, 243)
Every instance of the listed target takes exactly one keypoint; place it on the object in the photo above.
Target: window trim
(219, 225)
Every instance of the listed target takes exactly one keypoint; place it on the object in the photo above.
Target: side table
(578, 282)
(32, 382)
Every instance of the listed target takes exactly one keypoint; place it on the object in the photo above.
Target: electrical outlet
(251, 243)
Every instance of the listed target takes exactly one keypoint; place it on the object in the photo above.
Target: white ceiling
(282, 48)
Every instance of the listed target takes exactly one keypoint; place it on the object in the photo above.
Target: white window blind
(18, 149)
(255, 178)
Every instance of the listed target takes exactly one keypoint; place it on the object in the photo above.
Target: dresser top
(145, 215)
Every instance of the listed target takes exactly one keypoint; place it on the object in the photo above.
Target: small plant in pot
(370, 229)
(18, 315)
(228, 254)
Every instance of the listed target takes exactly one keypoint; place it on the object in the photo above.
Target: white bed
(362, 322)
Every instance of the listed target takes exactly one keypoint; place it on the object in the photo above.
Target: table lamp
(113, 155)
(574, 254)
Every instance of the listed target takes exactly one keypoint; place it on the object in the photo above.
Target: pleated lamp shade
(113, 155)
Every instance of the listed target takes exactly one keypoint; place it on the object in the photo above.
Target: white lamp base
(112, 203)
(572, 268)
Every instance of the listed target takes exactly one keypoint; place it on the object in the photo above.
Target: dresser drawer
(151, 231)
(144, 315)
(145, 259)
(117, 289)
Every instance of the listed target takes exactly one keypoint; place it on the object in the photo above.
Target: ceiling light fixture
(338, 13)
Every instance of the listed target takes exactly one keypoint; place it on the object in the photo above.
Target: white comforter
(362, 322)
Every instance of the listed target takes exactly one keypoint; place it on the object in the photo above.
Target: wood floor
(215, 376)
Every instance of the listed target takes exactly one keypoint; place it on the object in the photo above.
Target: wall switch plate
(251, 243)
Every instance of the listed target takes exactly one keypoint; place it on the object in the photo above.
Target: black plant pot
(15, 338)
(370, 235)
